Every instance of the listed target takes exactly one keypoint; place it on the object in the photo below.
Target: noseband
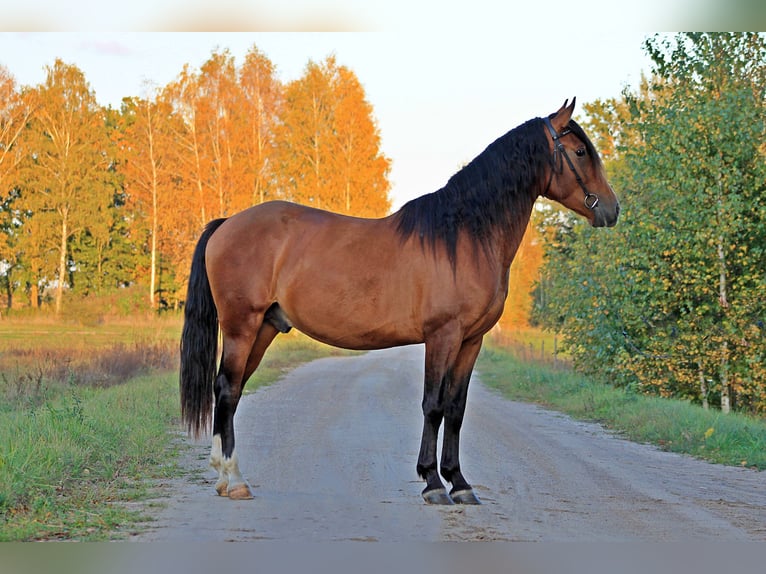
(591, 199)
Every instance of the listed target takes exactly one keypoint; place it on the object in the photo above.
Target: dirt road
(330, 452)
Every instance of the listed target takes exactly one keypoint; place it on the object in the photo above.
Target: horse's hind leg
(238, 339)
(223, 456)
(228, 390)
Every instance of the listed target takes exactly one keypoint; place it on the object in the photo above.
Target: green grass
(87, 421)
(65, 463)
(674, 425)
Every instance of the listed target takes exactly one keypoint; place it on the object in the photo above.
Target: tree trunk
(259, 162)
(155, 215)
(9, 288)
(62, 263)
(724, 302)
(198, 166)
(703, 387)
(725, 391)
(34, 295)
(153, 280)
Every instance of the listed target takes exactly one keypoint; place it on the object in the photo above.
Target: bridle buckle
(591, 200)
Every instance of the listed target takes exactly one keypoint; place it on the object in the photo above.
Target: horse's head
(576, 178)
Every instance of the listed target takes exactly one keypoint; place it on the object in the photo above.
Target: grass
(64, 463)
(88, 415)
(673, 425)
(45, 334)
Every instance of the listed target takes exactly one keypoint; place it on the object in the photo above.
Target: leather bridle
(591, 199)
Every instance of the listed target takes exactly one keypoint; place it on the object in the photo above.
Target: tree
(190, 161)
(145, 142)
(218, 104)
(262, 105)
(103, 255)
(66, 179)
(14, 115)
(675, 307)
(329, 145)
(362, 169)
(717, 92)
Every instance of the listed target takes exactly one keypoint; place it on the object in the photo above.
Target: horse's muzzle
(606, 216)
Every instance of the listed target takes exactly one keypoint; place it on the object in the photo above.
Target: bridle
(591, 199)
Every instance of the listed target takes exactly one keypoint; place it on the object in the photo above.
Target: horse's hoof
(221, 488)
(466, 496)
(437, 496)
(240, 492)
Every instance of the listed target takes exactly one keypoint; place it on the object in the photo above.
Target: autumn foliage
(94, 200)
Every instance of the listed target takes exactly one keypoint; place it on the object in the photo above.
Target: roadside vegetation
(672, 424)
(89, 418)
(670, 301)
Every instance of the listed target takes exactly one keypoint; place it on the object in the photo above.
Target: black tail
(199, 342)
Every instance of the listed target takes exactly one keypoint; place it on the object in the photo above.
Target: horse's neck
(508, 238)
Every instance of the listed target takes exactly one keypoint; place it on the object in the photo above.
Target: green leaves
(673, 303)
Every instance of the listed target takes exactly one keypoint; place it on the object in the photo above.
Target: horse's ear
(561, 118)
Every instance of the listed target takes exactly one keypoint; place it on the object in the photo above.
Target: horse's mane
(493, 191)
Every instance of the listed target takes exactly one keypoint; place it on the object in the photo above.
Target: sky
(445, 78)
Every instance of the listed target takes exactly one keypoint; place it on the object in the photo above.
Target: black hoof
(437, 496)
(466, 496)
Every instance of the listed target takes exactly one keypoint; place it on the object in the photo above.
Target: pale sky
(440, 94)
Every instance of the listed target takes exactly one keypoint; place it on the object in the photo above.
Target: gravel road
(330, 452)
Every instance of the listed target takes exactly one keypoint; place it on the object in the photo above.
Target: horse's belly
(355, 328)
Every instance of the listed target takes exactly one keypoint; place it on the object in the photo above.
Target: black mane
(493, 191)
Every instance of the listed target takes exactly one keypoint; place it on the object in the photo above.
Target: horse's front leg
(454, 410)
(434, 492)
(440, 352)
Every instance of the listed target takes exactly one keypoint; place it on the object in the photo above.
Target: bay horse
(435, 272)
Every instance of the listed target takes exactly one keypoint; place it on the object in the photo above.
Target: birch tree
(261, 105)
(14, 115)
(329, 145)
(67, 170)
(146, 146)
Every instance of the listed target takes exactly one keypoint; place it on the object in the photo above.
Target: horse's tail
(199, 342)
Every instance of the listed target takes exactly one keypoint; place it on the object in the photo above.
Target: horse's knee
(433, 406)
(433, 413)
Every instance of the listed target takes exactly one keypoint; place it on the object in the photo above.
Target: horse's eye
(580, 152)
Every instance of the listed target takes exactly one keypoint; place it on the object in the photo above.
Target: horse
(434, 272)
